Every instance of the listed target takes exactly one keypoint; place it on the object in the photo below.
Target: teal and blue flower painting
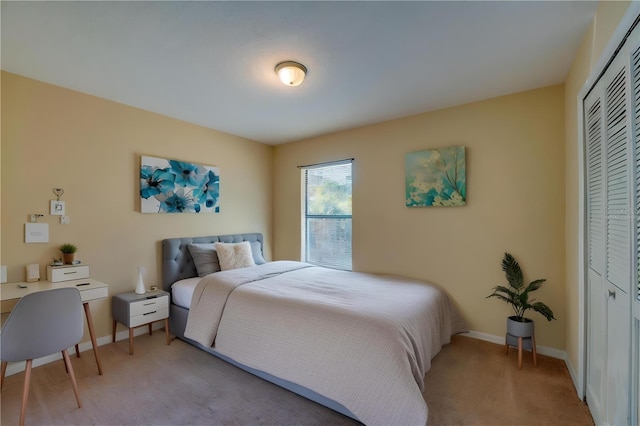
(170, 186)
(436, 177)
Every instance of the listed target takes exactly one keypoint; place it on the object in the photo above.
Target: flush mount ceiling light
(291, 73)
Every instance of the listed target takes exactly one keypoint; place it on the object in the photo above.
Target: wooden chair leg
(519, 353)
(25, 391)
(67, 362)
(4, 370)
(66, 369)
(77, 352)
(533, 349)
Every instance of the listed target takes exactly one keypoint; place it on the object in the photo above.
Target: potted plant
(68, 253)
(517, 295)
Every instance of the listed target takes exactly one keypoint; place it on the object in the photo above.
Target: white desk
(89, 289)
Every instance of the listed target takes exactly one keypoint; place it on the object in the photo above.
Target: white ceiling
(212, 63)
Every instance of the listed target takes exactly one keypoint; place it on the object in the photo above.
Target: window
(327, 214)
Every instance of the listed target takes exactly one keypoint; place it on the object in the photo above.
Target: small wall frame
(56, 208)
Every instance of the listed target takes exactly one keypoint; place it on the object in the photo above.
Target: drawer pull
(147, 304)
(612, 294)
(69, 273)
(149, 313)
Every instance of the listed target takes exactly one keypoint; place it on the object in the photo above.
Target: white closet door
(596, 236)
(618, 177)
(612, 177)
(635, 108)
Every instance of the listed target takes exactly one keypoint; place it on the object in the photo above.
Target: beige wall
(522, 177)
(515, 181)
(607, 18)
(91, 147)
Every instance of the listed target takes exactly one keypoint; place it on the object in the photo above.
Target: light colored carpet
(471, 382)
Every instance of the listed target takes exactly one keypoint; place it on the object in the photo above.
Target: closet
(611, 117)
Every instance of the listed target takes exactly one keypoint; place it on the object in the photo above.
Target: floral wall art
(436, 177)
(171, 186)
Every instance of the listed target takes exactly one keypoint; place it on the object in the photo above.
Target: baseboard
(543, 350)
(574, 377)
(18, 367)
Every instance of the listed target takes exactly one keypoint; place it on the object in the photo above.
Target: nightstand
(136, 310)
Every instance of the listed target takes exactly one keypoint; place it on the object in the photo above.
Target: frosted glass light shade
(140, 286)
(291, 73)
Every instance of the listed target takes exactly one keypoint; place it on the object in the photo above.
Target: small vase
(68, 258)
(140, 287)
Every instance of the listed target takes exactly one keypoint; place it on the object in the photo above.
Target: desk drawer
(93, 293)
(154, 315)
(145, 306)
(67, 273)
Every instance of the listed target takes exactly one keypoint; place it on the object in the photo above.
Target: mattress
(182, 291)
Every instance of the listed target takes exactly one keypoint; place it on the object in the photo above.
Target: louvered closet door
(635, 97)
(618, 180)
(612, 236)
(596, 301)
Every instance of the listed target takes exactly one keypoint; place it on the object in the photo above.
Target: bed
(357, 343)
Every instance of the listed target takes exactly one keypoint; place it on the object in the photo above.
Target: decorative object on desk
(436, 177)
(68, 253)
(33, 272)
(171, 186)
(520, 330)
(57, 262)
(140, 286)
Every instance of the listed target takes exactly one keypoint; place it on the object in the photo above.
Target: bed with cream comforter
(362, 340)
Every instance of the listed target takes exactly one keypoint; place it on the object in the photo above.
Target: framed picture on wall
(173, 186)
(436, 177)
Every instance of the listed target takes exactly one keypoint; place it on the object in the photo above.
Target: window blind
(327, 214)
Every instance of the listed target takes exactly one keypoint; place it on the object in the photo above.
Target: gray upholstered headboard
(177, 263)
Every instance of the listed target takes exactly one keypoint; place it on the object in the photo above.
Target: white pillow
(234, 255)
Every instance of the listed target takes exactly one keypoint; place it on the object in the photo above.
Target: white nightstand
(136, 310)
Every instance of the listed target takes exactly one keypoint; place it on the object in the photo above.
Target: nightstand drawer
(154, 315)
(145, 306)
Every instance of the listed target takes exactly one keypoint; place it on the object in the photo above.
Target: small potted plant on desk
(68, 253)
(520, 330)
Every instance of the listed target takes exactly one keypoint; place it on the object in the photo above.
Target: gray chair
(42, 324)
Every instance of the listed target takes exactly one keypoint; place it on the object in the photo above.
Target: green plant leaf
(504, 292)
(544, 310)
(512, 271)
(534, 285)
